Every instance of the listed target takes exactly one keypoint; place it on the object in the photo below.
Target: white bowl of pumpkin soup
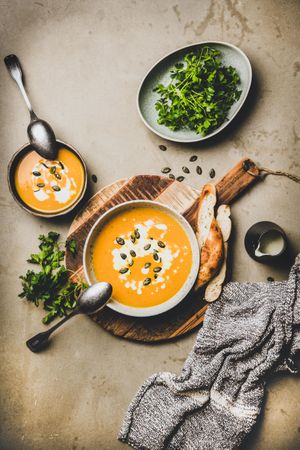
(148, 252)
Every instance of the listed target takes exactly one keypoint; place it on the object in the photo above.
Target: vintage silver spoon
(90, 301)
(41, 135)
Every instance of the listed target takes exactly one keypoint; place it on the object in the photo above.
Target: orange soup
(145, 254)
(50, 186)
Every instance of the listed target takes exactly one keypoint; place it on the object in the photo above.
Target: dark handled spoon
(41, 135)
(90, 301)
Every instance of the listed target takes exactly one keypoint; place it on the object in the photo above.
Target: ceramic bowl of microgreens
(194, 92)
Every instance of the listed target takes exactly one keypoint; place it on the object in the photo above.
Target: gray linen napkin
(250, 332)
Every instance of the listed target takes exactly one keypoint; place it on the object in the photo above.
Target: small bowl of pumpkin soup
(47, 188)
(148, 252)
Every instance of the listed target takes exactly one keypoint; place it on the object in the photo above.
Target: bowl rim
(23, 205)
(225, 123)
(187, 286)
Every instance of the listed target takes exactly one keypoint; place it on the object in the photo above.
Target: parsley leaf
(71, 245)
(51, 286)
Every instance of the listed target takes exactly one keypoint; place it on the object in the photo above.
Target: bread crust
(209, 237)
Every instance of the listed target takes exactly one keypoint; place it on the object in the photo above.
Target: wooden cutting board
(183, 198)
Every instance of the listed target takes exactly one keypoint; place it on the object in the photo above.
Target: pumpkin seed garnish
(163, 148)
(45, 165)
(123, 270)
(123, 255)
(185, 169)
(56, 188)
(120, 241)
(155, 257)
(147, 246)
(161, 244)
(157, 269)
(171, 176)
(131, 263)
(40, 185)
(132, 237)
(198, 170)
(147, 265)
(181, 178)
(36, 173)
(166, 170)
(193, 158)
(61, 165)
(147, 281)
(133, 254)
(137, 234)
(53, 169)
(212, 173)
(36, 190)
(58, 176)
(155, 276)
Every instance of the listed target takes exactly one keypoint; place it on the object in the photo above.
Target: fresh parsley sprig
(200, 94)
(51, 286)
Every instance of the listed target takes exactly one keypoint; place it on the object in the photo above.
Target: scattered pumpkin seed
(40, 185)
(61, 165)
(185, 169)
(131, 263)
(53, 169)
(94, 178)
(123, 270)
(36, 190)
(212, 173)
(133, 254)
(193, 158)
(123, 255)
(166, 170)
(157, 269)
(198, 170)
(45, 165)
(147, 265)
(181, 178)
(163, 148)
(58, 176)
(171, 176)
(132, 238)
(137, 234)
(56, 188)
(155, 257)
(120, 241)
(147, 246)
(155, 275)
(161, 244)
(36, 173)
(147, 281)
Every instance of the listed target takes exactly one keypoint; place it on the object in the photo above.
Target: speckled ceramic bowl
(180, 295)
(160, 73)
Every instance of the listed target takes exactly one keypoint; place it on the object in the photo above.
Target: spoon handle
(14, 68)
(40, 340)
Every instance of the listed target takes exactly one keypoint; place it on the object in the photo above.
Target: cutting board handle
(239, 178)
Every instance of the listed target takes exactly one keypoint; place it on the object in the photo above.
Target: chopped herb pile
(200, 94)
(51, 286)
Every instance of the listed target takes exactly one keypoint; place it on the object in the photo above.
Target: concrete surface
(84, 61)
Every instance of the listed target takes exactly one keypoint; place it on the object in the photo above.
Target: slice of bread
(209, 237)
(214, 288)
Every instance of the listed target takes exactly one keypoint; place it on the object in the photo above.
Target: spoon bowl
(42, 139)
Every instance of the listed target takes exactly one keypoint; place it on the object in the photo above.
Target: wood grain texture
(184, 199)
